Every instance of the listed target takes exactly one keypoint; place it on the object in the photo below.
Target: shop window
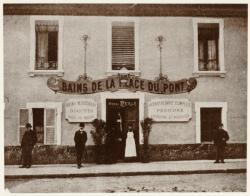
(46, 45)
(45, 121)
(210, 119)
(208, 47)
(123, 46)
(46, 41)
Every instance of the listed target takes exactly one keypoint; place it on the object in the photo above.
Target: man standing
(220, 138)
(80, 140)
(28, 141)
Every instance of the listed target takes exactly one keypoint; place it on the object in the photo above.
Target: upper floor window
(208, 37)
(123, 46)
(208, 47)
(46, 45)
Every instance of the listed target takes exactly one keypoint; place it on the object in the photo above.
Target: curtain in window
(42, 49)
(201, 56)
(44, 30)
(212, 63)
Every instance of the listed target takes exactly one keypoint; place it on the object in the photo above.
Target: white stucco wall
(20, 88)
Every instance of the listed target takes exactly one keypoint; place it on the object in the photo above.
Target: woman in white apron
(130, 150)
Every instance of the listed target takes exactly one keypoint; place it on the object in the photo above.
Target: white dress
(130, 150)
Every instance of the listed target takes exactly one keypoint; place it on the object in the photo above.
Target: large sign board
(80, 110)
(170, 110)
(113, 83)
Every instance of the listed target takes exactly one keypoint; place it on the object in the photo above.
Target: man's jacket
(29, 139)
(220, 137)
(80, 139)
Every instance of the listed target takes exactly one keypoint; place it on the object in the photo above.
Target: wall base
(47, 154)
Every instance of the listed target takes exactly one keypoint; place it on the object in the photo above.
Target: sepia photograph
(131, 97)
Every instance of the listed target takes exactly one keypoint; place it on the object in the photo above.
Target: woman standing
(130, 150)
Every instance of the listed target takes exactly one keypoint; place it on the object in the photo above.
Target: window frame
(109, 22)
(32, 70)
(221, 64)
(199, 105)
(49, 105)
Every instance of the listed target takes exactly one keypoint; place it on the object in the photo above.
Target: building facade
(208, 45)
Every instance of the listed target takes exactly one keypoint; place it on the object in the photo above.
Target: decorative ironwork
(160, 40)
(84, 38)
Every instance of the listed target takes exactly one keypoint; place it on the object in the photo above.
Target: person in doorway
(220, 138)
(80, 140)
(118, 137)
(28, 141)
(130, 150)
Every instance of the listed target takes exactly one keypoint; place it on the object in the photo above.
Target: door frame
(198, 105)
(124, 95)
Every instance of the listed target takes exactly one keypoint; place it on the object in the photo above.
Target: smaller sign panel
(81, 110)
(170, 110)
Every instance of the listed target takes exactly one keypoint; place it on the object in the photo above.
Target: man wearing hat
(80, 140)
(220, 138)
(28, 141)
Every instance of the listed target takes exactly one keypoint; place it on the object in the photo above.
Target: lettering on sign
(170, 110)
(80, 110)
(116, 82)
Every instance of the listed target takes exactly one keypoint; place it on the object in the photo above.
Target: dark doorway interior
(210, 119)
(129, 111)
(38, 124)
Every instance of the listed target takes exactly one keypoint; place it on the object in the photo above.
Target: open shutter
(123, 46)
(23, 119)
(50, 125)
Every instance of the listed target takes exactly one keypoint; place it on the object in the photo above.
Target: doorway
(128, 109)
(210, 119)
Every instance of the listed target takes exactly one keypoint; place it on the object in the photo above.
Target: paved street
(153, 183)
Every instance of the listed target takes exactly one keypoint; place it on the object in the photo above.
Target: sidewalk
(127, 169)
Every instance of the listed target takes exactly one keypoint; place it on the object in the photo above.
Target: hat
(220, 125)
(82, 124)
(28, 125)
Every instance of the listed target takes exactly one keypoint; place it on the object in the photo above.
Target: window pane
(208, 37)
(46, 45)
(123, 48)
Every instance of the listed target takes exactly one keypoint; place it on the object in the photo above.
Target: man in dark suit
(28, 141)
(220, 138)
(80, 140)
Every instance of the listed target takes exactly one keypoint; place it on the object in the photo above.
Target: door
(210, 119)
(129, 112)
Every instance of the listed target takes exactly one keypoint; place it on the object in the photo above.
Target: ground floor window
(208, 116)
(45, 119)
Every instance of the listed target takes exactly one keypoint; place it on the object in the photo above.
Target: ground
(153, 183)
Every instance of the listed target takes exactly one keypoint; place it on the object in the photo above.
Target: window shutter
(50, 125)
(23, 119)
(123, 47)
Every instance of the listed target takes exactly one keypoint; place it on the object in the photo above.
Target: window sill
(113, 72)
(45, 72)
(221, 74)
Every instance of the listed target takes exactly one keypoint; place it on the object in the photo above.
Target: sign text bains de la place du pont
(119, 81)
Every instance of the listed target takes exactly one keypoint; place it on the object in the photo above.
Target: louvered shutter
(123, 46)
(23, 119)
(50, 125)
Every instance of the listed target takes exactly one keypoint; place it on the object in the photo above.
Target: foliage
(146, 125)
(99, 134)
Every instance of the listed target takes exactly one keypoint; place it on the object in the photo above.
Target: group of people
(220, 137)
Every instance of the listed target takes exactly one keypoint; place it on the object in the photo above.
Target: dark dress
(80, 140)
(28, 141)
(220, 138)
